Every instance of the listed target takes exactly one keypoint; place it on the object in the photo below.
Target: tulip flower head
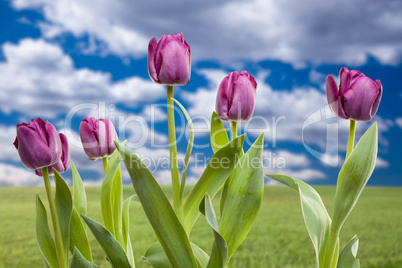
(169, 60)
(356, 98)
(38, 144)
(64, 163)
(97, 137)
(236, 97)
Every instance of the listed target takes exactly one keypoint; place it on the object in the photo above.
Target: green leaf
(64, 208)
(44, 237)
(129, 252)
(112, 248)
(189, 148)
(106, 192)
(219, 255)
(157, 257)
(214, 176)
(243, 197)
(316, 218)
(163, 219)
(117, 202)
(347, 258)
(79, 196)
(126, 229)
(79, 261)
(78, 236)
(218, 135)
(354, 175)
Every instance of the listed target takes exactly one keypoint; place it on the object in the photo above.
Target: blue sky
(72, 59)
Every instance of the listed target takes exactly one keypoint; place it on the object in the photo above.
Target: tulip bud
(97, 137)
(357, 97)
(169, 60)
(64, 163)
(236, 97)
(38, 144)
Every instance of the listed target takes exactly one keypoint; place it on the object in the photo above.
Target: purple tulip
(64, 163)
(357, 98)
(38, 144)
(236, 97)
(169, 60)
(97, 137)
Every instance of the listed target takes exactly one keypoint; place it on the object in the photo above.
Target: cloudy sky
(65, 60)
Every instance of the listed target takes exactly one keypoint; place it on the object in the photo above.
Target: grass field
(278, 238)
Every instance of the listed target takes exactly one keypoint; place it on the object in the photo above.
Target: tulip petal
(153, 44)
(111, 135)
(347, 79)
(54, 142)
(359, 100)
(333, 97)
(101, 134)
(243, 99)
(40, 127)
(158, 56)
(89, 140)
(221, 104)
(232, 77)
(64, 163)
(97, 137)
(65, 156)
(377, 100)
(175, 67)
(33, 150)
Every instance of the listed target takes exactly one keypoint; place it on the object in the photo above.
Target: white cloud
(231, 31)
(333, 160)
(11, 175)
(7, 137)
(381, 163)
(289, 159)
(50, 85)
(398, 122)
(97, 20)
(154, 113)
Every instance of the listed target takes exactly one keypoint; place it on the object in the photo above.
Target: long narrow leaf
(78, 236)
(44, 237)
(79, 196)
(347, 258)
(117, 202)
(214, 176)
(218, 135)
(106, 192)
(112, 248)
(155, 256)
(244, 187)
(354, 175)
(64, 208)
(79, 261)
(163, 219)
(220, 254)
(126, 229)
(316, 218)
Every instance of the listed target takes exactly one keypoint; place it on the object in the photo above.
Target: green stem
(105, 161)
(55, 219)
(174, 167)
(233, 130)
(351, 140)
(329, 258)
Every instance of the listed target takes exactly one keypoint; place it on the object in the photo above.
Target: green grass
(278, 238)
